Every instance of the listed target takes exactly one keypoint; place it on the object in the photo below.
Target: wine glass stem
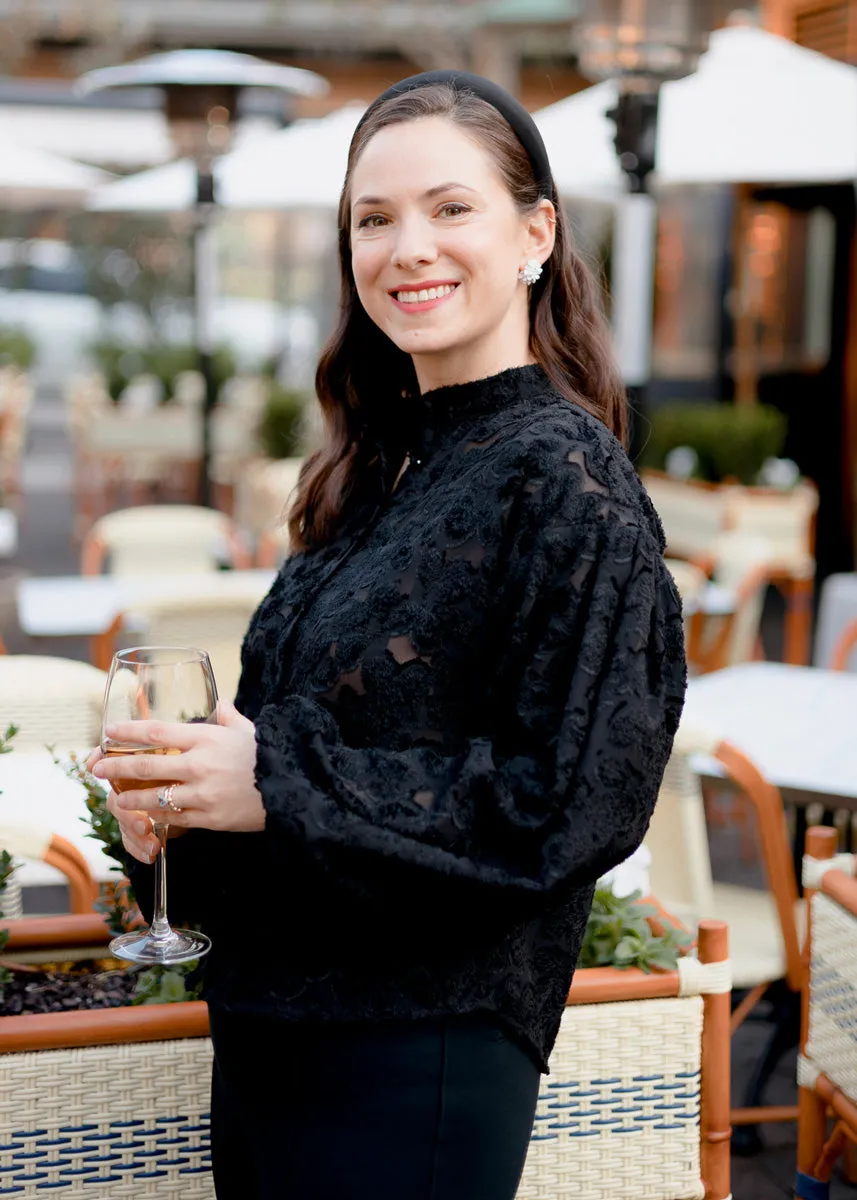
(160, 926)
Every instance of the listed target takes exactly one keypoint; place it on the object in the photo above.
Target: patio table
(798, 724)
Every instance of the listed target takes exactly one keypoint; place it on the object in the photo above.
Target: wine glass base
(178, 946)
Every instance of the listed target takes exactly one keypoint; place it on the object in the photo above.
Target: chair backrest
(215, 624)
(692, 513)
(178, 538)
(53, 701)
(680, 870)
(25, 841)
(740, 565)
(845, 648)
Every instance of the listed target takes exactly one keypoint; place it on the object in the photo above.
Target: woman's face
(436, 245)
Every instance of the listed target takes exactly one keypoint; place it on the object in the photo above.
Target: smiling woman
(456, 702)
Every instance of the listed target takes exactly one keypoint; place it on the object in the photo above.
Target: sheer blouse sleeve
(588, 689)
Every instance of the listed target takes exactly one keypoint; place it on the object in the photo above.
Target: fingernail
(98, 769)
(141, 826)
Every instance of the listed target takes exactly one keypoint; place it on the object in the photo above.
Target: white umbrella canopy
(302, 166)
(758, 110)
(30, 177)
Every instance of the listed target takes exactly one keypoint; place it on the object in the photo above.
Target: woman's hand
(214, 775)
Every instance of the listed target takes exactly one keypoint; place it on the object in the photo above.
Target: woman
(457, 700)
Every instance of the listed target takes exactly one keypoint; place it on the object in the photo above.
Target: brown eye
(369, 222)
(454, 209)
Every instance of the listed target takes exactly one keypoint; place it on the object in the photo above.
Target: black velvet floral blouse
(463, 709)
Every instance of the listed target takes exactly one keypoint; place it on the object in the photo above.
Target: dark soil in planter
(65, 991)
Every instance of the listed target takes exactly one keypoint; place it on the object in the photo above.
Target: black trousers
(438, 1109)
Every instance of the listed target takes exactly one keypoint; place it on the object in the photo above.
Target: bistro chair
(178, 538)
(636, 1106)
(764, 925)
(216, 623)
(739, 565)
(845, 646)
(29, 842)
(54, 702)
(262, 496)
(827, 1062)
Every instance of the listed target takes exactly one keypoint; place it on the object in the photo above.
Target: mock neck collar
(438, 410)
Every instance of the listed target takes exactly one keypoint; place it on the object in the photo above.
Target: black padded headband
(506, 104)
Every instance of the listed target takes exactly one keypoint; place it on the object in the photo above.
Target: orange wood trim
(92, 555)
(774, 1114)
(3, 649)
(844, 1107)
(103, 1027)
(777, 855)
(743, 1010)
(715, 1127)
(599, 985)
(83, 890)
(268, 552)
(798, 620)
(101, 646)
(239, 555)
(842, 888)
(821, 842)
(37, 933)
(845, 643)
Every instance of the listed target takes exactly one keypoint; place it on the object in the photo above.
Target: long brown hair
(363, 376)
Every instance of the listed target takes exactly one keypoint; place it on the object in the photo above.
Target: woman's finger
(147, 801)
(93, 757)
(143, 767)
(173, 735)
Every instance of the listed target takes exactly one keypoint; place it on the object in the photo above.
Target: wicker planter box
(111, 1102)
(636, 1105)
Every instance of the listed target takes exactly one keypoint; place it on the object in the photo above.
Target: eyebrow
(428, 195)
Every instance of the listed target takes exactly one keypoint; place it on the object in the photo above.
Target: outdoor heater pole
(205, 290)
(634, 254)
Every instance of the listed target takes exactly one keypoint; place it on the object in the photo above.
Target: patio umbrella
(302, 166)
(31, 178)
(760, 109)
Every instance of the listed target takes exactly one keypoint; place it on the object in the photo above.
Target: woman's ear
(541, 231)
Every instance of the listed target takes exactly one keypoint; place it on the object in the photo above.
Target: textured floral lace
(464, 706)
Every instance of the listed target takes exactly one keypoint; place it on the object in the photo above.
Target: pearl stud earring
(530, 272)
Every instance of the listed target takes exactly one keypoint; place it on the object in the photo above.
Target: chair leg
(784, 1037)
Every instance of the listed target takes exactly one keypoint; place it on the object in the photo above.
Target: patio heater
(640, 44)
(201, 92)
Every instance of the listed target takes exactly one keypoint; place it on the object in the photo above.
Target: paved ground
(47, 548)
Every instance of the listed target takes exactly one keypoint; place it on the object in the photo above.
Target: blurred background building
(755, 298)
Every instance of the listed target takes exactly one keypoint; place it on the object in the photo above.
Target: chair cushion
(756, 948)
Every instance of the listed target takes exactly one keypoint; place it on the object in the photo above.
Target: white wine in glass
(169, 684)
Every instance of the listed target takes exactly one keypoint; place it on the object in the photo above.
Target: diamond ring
(165, 799)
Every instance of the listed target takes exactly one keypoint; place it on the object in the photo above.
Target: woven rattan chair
(636, 1106)
(739, 564)
(53, 701)
(827, 1063)
(178, 538)
(216, 624)
(764, 925)
(787, 521)
(26, 841)
(262, 495)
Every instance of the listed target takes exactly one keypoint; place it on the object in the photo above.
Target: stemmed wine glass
(170, 684)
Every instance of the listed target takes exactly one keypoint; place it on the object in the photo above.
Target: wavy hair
(362, 375)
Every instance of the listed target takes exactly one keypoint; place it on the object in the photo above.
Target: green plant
(120, 362)
(618, 934)
(281, 426)
(730, 440)
(17, 349)
(7, 865)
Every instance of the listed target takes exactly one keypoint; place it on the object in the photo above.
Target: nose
(414, 244)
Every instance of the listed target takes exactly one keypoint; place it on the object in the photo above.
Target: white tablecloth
(82, 606)
(797, 724)
(35, 792)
